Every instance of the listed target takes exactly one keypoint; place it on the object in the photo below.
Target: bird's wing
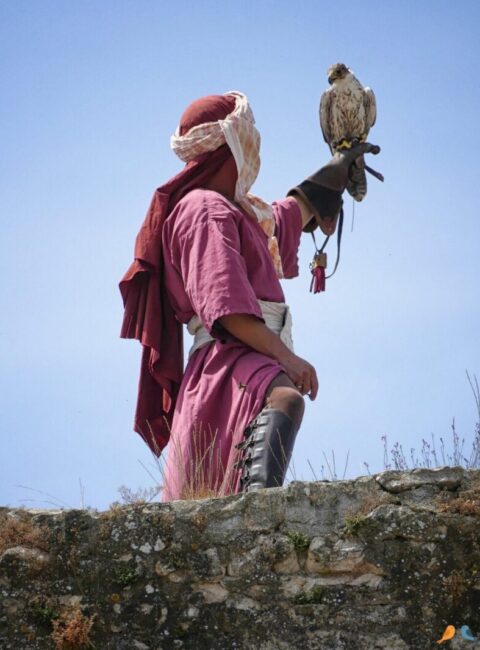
(326, 115)
(370, 106)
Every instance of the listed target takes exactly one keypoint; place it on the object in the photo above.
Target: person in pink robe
(202, 254)
(223, 253)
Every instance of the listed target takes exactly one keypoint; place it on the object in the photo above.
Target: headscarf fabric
(238, 130)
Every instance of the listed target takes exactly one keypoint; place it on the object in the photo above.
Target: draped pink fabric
(149, 316)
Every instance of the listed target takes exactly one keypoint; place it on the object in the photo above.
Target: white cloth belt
(277, 317)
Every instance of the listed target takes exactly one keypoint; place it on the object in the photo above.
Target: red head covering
(148, 315)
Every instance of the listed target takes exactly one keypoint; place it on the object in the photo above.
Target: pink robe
(216, 262)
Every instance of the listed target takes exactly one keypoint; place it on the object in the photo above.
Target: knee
(289, 401)
(295, 405)
(293, 399)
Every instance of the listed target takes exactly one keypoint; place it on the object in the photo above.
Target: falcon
(347, 112)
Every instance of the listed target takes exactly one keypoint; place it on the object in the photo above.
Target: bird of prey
(347, 113)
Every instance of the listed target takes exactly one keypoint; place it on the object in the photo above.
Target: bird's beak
(330, 79)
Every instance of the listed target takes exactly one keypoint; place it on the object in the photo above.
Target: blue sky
(91, 92)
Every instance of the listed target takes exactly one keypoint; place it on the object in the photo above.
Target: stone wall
(381, 562)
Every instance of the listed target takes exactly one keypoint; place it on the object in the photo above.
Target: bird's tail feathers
(357, 184)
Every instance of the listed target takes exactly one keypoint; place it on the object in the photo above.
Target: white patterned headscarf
(239, 132)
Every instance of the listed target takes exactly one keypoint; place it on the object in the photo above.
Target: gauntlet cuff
(324, 203)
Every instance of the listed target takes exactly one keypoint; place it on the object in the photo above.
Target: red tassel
(318, 279)
(317, 267)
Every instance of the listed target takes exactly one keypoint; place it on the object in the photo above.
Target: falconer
(210, 255)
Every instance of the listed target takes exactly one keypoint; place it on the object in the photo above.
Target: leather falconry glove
(322, 191)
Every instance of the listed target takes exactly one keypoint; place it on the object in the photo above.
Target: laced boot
(267, 449)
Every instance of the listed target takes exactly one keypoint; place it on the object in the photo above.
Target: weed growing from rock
(466, 503)
(42, 612)
(461, 506)
(140, 496)
(124, 575)
(314, 596)
(431, 456)
(71, 630)
(199, 469)
(456, 585)
(300, 541)
(19, 530)
(330, 473)
(353, 523)
(355, 519)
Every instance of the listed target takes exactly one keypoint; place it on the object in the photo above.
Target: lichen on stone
(385, 561)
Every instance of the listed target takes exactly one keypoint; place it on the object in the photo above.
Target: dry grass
(107, 518)
(369, 503)
(199, 471)
(355, 518)
(72, 629)
(205, 468)
(19, 530)
(466, 503)
(461, 506)
(430, 456)
(138, 497)
(456, 586)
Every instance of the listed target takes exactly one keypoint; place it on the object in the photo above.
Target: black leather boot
(267, 450)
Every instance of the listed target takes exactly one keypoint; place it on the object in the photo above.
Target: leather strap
(339, 243)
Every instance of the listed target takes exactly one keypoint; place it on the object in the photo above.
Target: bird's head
(337, 71)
